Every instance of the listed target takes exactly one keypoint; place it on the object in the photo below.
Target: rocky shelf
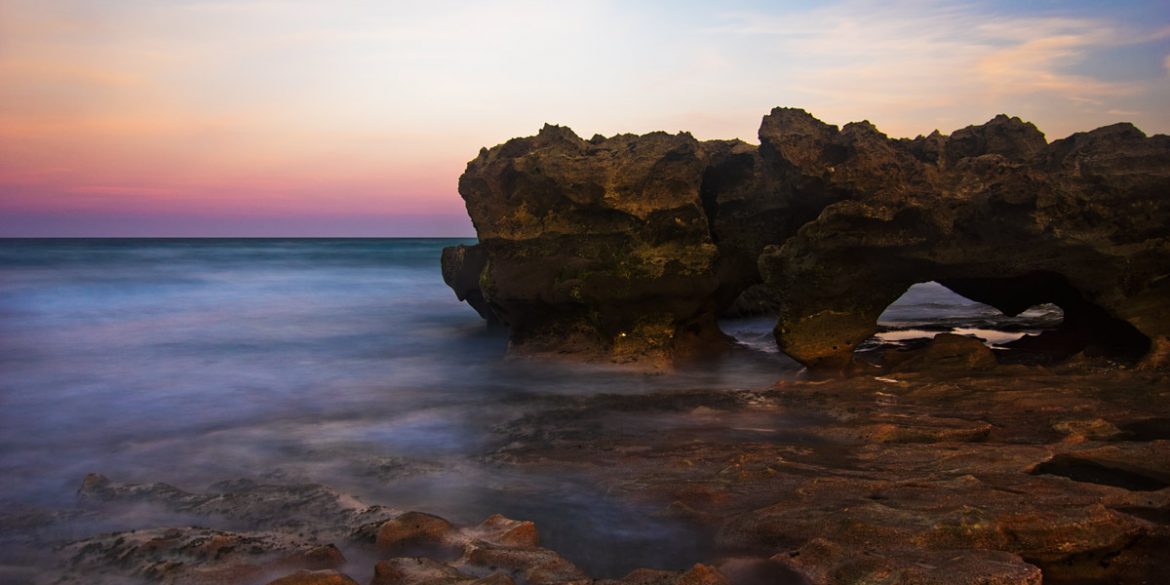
(1054, 476)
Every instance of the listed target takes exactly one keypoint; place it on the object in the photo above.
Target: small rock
(537, 566)
(326, 577)
(701, 574)
(948, 352)
(416, 571)
(1093, 430)
(412, 528)
(507, 532)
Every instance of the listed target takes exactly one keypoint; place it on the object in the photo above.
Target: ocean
(346, 362)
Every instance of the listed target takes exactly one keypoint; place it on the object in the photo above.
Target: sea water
(346, 362)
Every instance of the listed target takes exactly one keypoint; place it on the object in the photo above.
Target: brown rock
(417, 571)
(412, 528)
(494, 579)
(644, 577)
(701, 574)
(1094, 430)
(697, 575)
(507, 532)
(537, 566)
(948, 352)
(823, 562)
(326, 577)
(195, 556)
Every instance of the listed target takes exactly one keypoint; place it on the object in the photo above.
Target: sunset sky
(345, 118)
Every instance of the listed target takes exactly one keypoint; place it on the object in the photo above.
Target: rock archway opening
(1038, 319)
(928, 309)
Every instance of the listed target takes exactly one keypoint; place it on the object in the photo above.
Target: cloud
(913, 62)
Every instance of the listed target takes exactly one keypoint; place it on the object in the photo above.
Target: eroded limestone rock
(628, 248)
(991, 212)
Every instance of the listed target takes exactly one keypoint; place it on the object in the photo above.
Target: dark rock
(825, 563)
(948, 352)
(909, 476)
(326, 577)
(596, 248)
(630, 247)
(1002, 219)
(462, 269)
(626, 248)
(1011, 138)
(198, 556)
(244, 503)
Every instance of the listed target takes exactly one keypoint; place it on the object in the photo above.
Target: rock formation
(630, 247)
(991, 212)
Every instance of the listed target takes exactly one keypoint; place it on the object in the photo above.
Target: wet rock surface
(903, 478)
(1010, 476)
(627, 248)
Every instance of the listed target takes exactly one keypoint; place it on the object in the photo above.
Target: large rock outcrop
(992, 212)
(626, 247)
(630, 247)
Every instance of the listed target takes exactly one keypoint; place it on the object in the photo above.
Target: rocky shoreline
(1044, 459)
(1060, 476)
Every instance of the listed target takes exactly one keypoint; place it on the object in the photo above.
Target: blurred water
(346, 362)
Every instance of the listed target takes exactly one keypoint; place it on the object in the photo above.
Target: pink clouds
(372, 109)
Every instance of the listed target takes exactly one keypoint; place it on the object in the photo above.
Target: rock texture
(630, 247)
(907, 479)
(627, 247)
(1017, 476)
(992, 212)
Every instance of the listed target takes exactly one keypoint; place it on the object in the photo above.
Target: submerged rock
(630, 247)
(198, 556)
(825, 563)
(311, 509)
(892, 479)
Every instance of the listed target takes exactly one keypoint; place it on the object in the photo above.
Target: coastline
(924, 475)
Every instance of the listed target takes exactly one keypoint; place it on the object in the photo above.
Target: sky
(355, 118)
